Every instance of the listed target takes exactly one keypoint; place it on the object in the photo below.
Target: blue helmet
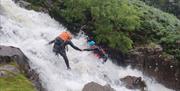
(91, 43)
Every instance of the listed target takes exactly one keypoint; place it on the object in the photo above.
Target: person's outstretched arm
(51, 42)
(90, 49)
(73, 46)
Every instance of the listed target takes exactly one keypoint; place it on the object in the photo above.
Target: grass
(15, 82)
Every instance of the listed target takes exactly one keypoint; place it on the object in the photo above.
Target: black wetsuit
(59, 48)
(99, 51)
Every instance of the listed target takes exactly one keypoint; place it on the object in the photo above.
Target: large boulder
(154, 62)
(9, 54)
(133, 82)
(92, 86)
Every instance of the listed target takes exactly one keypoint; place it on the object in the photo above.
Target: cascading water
(31, 31)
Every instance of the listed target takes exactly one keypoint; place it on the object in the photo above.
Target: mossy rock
(15, 82)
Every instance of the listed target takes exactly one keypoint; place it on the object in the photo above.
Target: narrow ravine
(31, 31)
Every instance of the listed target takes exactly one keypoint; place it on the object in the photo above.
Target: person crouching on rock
(100, 53)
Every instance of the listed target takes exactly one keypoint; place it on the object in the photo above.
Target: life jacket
(65, 36)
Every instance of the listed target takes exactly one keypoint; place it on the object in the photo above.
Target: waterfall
(31, 31)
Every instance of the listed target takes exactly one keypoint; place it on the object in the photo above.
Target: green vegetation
(15, 82)
(111, 20)
(171, 6)
(119, 24)
(159, 27)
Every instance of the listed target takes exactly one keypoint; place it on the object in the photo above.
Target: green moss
(13, 63)
(15, 82)
(152, 45)
(36, 8)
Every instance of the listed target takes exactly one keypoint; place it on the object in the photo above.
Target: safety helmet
(91, 43)
(65, 36)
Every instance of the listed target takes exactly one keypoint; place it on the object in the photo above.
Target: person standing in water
(60, 44)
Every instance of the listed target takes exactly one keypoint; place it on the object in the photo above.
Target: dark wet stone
(133, 82)
(92, 86)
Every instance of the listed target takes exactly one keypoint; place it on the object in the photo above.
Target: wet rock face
(154, 63)
(133, 82)
(10, 53)
(23, 4)
(92, 86)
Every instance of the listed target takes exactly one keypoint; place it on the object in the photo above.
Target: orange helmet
(65, 36)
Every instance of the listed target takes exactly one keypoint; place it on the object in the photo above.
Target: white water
(30, 31)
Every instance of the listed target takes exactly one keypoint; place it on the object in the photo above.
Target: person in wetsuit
(100, 53)
(60, 44)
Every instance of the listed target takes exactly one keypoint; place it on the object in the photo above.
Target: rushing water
(31, 31)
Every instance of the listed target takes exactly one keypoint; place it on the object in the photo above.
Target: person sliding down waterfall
(100, 53)
(60, 44)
